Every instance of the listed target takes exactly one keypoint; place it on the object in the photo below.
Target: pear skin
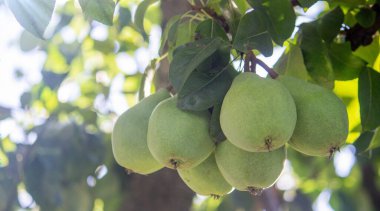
(129, 136)
(249, 171)
(322, 119)
(206, 179)
(258, 114)
(177, 138)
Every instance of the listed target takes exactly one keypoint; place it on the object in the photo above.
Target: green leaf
(375, 142)
(140, 14)
(187, 58)
(367, 52)
(330, 24)
(4, 113)
(292, 63)
(208, 84)
(315, 53)
(34, 16)
(28, 41)
(368, 140)
(242, 5)
(280, 19)
(362, 143)
(99, 10)
(369, 99)
(125, 18)
(171, 24)
(307, 3)
(210, 29)
(216, 132)
(185, 32)
(206, 91)
(346, 65)
(53, 80)
(253, 33)
(366, 17)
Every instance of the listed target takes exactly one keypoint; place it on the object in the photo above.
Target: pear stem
(270, 71)
(251, 61)
(170, 89)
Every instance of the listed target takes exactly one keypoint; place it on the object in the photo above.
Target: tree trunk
(163, 190)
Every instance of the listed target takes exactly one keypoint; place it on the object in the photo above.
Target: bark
(163, 190)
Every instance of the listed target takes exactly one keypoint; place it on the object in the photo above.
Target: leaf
(34, 16)
(368, 140)
(242, 5)
(280, 19)
(173, 22)
(292, 63)
(330, 24)
(187, 58)
(216, 132)
(315, 55)
(99, 10)
(4, 112)
(204, 90)
(125, 18)
(362, 143)
(185, 32)
(369, 99)
(140, 14)
(28, 41)
(252, 33)
(375, 142)
(367, 52)
(366, 17)
(210, 29)
(53, 80)
(346, 65)
(307, 3)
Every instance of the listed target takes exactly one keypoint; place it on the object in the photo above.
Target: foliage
(337, 49)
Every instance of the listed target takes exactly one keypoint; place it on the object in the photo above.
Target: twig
(219, 18)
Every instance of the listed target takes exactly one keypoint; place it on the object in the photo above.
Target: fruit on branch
(258, 114)
(249, 171)
(179, 139)
(322, 122)
(206, 179)
(129, 136)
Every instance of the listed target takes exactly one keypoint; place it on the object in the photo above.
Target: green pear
(258, 114)
(177, 138)
(322, 122)
(206, 179)
(129, 136)
(249, 171)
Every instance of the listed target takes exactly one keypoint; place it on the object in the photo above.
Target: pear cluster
(259, 116)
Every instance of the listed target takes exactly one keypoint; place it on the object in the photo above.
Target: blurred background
(60, 97)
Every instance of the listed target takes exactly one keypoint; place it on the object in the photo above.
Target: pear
(129, 136)
(177, 138)
(249, 171)
(258, 114)
(322, 122)
(206, 179)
